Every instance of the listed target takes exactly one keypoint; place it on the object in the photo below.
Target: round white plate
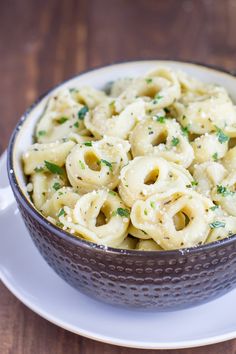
(32, 281)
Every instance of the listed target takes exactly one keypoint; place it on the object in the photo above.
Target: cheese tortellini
(147, 164)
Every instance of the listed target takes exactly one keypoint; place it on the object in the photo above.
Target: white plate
(32, 281)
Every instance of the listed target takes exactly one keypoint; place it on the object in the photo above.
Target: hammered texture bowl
(162, 280)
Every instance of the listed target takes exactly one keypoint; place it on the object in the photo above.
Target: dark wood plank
(43, 42)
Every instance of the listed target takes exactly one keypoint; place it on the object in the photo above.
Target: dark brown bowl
(164, 280)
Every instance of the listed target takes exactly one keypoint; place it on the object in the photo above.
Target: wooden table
(45, 41)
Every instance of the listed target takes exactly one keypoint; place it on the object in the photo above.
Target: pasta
(146, 164)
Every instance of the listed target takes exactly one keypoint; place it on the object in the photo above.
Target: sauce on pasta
(149, 166)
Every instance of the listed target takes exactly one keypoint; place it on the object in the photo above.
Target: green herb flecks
(39, 169)
(194, 183)
(61, 212)
(82, 112)
(214, 207)
(53, 168)
(82, 165)
(160, 119)
(174, 141)
(56, 186)
(215, 156)
(121, 212)
(106, 163)
(185, 130)
(42, 132)
(152, 204)
(148, 81)
(223, 191)
(157, 98)
(88, 143)
(222, 137)
(216, 224)
(62, 120)
(76, 125)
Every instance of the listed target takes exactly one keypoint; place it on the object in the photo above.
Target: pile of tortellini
(149, 165)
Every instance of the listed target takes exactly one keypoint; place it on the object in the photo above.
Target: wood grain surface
(43, 42)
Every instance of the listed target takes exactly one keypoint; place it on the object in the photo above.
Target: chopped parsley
(152, 204)
(76, 125)
(73, 90)
(61, 212)
(148, 80)
(59, 224)
(82, 112)
(112, 193)
(88, 143)
(62, 120)
(39, 169)
(217, 224)
(185, 130)
(160, 119)
(215, 156)
(56, 186)
(223, 191)
(194, 183)
(82, 165)
(42, 132)
(222, 137)
(214, 207)
(106, 163)
(54, 168)
(121, 212)
(157, 98)
(145, 211)
(174, 141)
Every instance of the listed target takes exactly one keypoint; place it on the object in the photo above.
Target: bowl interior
(98, 78)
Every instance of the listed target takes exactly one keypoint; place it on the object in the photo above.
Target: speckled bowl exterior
(164, 280)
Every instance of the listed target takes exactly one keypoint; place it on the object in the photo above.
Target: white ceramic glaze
(32, 281)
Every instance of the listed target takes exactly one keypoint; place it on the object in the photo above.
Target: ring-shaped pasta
(105, 120)
(207, 147)
(88, 96)
(119, 86)
(159, 88)
(162, 137)
(148, 175)
(141, 234)
(44, 185)
(205, 110)
(208, 175)
(56, 153)
(98, 217)
(156, 216)
(95, 165)
(64, 197)
(63, 115)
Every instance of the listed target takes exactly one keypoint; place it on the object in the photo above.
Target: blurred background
(43, 42)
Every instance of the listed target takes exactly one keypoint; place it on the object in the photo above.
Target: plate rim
(47, 315)
(108, 339)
